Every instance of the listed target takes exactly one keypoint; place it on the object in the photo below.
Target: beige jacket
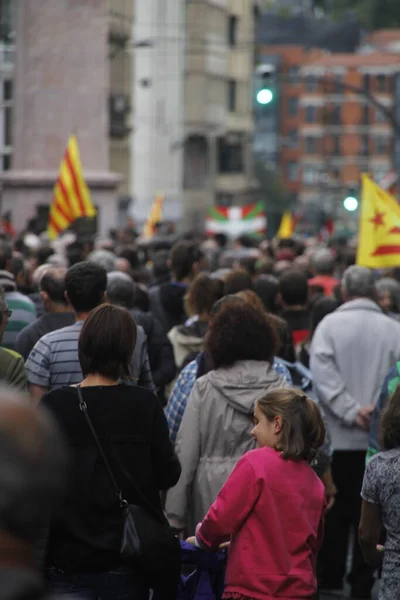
(214, 434)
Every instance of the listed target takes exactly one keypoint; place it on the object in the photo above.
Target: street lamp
(265, 96)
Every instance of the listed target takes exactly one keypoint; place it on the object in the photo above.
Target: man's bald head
(52, 284)
(32, 466)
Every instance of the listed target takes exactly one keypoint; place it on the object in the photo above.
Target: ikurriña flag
(379, 234)
(71, 196)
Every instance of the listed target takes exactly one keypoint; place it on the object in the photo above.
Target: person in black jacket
(121, 291)
(83, 555)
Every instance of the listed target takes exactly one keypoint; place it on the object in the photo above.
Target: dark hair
(85, 283)
(184, 255)
(321, 308)
(303, 430)
(17, 266)
(390, 422)
(107, 342)
(266, 287)
(202, 294)
(53, 283)
(239, 332)
(160, 267)
(248, 264)
(142, 298)
(132, 255)
(237, 281)
(293, 287)
(5, 253)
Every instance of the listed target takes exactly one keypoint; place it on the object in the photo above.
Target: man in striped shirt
(22, 308)
(54, 360)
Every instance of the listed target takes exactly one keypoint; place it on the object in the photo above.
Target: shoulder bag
(148, 542)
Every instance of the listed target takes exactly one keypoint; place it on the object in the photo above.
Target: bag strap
(122, 502)
(83, 406)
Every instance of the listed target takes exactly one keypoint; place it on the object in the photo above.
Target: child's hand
(224, 545)
(191, 540)
(380, 548)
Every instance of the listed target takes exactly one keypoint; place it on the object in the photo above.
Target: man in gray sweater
(352, 350)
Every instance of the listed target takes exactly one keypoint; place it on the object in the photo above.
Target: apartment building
(220, 55)
(342, 133)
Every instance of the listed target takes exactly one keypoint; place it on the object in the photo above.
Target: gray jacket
(351, 353)
(214, 434)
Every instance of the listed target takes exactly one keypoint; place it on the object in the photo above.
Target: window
(231, 154)
(380, 145)
(311, 83)
(310, 145)
(6, 162)
(293, 73)
(292, 171)
(310, 114)
(232, 30)
(336, 145)
(310, 175)
(380, 116)
(7, 89)
(293, 138)
(336, 115)
(337, 84)
(293, 106)
(232, 93)
(381, 83)
(364, 146)
(365, 115)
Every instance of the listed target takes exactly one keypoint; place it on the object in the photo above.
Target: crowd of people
(245, 395)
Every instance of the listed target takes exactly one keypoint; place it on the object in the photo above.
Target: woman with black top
(83, 558)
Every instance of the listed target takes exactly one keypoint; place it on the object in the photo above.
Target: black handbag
(148, 541)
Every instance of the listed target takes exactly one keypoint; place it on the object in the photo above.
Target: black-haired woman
(83, 559)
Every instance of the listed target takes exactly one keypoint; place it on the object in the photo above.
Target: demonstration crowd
(243, 399)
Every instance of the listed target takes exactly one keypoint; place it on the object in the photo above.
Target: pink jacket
(274, 509)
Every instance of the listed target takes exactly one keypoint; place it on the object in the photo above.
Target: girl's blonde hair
(303, 430)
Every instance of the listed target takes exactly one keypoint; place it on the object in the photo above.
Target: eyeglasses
(8, 313)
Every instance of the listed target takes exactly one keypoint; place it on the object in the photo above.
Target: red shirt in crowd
(273, 508)
(326, 282)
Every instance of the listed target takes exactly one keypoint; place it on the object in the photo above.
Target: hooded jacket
(187, 341)
(214, 434)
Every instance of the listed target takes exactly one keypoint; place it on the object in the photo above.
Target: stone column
(61, 87)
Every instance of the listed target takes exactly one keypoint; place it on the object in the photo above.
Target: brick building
(341, 134)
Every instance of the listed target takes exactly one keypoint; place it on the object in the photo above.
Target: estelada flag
(287, 226)
(71, 196)
(379, 236)
(155, 217)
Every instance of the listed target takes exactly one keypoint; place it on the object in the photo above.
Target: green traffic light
(265, 96)
(350, 203)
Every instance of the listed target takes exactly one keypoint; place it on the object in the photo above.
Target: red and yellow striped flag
(155, 216)
(71, 197)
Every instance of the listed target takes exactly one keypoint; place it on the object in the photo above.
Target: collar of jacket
(360, 304)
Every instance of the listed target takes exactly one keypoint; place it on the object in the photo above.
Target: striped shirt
(54, 361)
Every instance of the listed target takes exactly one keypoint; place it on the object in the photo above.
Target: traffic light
(265, 91)
(350, 202)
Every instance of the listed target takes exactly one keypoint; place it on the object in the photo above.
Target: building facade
(219, 124)
(342, 134)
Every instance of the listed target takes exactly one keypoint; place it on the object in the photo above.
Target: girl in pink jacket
(272, 506)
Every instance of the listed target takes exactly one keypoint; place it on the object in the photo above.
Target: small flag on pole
(287, 226)
(71, 196)
(155, 217)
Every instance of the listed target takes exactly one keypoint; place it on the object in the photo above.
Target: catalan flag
(155, 217)
(71, 197)
(287, 226)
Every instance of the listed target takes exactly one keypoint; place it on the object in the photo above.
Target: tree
(273, 194)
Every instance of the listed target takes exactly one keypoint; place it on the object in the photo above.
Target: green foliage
(373, 14)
